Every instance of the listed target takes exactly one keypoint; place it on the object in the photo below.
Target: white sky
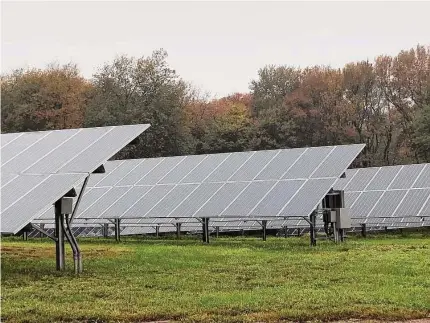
(219, 46)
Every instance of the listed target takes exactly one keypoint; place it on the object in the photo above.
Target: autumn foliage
(383, 103)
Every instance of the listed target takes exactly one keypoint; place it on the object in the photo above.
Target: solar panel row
(393, 196)
(401, 192)
(285, 182)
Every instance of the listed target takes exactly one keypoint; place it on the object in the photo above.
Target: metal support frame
(242, 231)
(217, 231)
(285, 231)
(78, 201)
(178, 229)
(41, 229)
(298, 232)
(25, 235)
(105, 230)
(157, 231)
(205, 231)
(117, 223)
(312, 232)
(264, 226)
(59, 235)
(342, 235)
(363, 230)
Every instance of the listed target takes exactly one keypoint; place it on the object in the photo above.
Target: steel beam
(60, 258)
(178, 229)
(312, 226)
(105, 230)
(78, 201)
(42, 231)
(205, 233)
(264, 226)
(117, 223)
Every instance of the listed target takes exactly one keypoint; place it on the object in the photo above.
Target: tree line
(384, 103)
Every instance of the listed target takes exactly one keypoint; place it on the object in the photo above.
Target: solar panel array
(396, 195)
(254, 184)
(38, 168)
(390, 196)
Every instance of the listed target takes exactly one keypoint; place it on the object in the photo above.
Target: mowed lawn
(229, 280)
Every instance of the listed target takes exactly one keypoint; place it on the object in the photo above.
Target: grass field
(229, 280)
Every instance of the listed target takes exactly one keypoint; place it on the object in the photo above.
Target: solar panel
(253, 184)
(38, 168)
(64, 151)
(29, 195)
(395, 195)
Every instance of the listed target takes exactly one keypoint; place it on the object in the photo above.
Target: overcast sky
(219, 46)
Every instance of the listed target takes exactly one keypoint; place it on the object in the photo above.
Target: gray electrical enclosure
(332, 216)
(343, 218)
(66, 205)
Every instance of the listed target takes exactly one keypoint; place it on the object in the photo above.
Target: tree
(223, 125)
(271, 87)
(371, 115)
(143, 90)
(405, 82)
(35, 99)
(422, 133)
(319, 108)
(276, 128)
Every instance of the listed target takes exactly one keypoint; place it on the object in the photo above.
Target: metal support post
(335, 233)
(363, 230)
(286, 232)
(298, 232)
(205, 222)
(42, 226)
(117, 229)
(59, 234)
(178, 230)
(312, 229)
(264, 225)
(105, 230)
(204, 229)
(77, 256)
(217, 231)
(242, 232)
(157, 231)
(25, 235)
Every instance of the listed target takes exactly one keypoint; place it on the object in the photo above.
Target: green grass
(229, 280)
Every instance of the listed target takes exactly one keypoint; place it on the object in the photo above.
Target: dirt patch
(347, 321)
(18, 252)
(38, 252)
(425, 320)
